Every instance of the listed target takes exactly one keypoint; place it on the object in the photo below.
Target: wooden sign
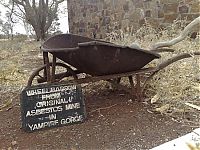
(48, 105)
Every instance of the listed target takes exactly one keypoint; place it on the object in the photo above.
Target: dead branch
(193, 106)
(161, 50)
(11, 9)
(168, 62)
(176, 58)
(188, 29)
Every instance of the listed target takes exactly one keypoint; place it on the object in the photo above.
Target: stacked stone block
(98, 18)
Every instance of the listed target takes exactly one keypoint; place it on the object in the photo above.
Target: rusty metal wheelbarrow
(98, 59)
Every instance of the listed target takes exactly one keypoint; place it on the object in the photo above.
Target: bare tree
(7, 25)
(1, 21)
(39, 14)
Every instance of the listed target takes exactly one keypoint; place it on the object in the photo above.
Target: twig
(5, 105)
(192, 126)
(196, 133)
(99, 109)
(193, 106)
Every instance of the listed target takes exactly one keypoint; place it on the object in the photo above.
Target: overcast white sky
(18, 27)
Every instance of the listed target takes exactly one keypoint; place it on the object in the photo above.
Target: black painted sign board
(51, 105)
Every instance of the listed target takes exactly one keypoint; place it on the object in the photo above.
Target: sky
(19, 28)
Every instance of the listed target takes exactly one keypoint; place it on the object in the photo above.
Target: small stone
(9, 148)
(113, 123)
(14, 143)
(135, 46)
(76, 144)
(130, 100)
(197, 77)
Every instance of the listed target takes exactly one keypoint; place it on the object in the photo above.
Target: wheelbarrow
(98, 60)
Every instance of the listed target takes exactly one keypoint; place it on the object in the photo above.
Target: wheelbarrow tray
(96, 57)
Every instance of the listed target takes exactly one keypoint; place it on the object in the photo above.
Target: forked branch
(188, 29)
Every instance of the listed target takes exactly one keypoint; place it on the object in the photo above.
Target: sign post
(51, 105)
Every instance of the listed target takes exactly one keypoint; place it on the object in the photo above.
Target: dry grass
(16, 64)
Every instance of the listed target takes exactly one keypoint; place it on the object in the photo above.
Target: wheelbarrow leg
(132, 85)
(138, 88)
(53, 69)
(115, 82)
(118, 80)
(47, 69)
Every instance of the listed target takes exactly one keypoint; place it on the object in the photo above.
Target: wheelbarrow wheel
(39, 74)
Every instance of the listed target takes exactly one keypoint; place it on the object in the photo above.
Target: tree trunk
(43, 35)
(40, 33)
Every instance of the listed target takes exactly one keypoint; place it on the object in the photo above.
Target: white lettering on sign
(43, 125)
(52, 117)
(67, 89)
(51, 96)
(72, 106)
(71, 119)
(54, 102)
(42, 111)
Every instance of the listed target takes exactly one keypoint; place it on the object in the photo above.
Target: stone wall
(96, 18)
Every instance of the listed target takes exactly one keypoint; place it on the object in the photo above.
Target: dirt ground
(114, 121)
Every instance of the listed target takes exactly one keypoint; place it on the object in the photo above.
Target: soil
(114, 121)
